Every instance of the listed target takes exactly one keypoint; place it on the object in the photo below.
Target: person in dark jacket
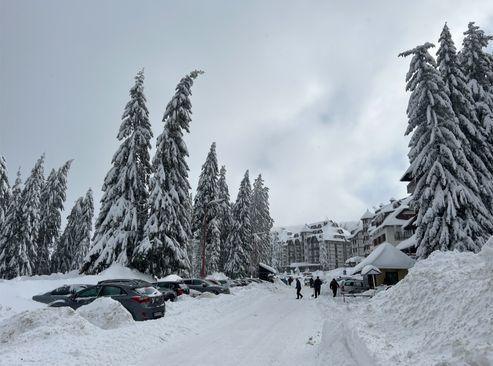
(290, 280)
(333, 286)
(298, 289)
(317, 284)
(311, 282)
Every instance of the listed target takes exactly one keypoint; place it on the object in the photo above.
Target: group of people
(315, 284)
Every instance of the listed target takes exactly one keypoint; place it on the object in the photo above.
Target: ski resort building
(391, 223)
(320, 245)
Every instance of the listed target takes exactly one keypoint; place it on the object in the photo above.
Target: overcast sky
(308, 93)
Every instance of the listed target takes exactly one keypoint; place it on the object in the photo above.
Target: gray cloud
(310, 94)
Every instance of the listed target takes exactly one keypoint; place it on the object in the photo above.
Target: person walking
(298, 289)
(333, 286)
(311, 282)
(317, 284)
(290, 280)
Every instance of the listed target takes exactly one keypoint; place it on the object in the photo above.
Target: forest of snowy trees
(147, 218)
(450, 115)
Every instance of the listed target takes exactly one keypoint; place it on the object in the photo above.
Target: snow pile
(218, 276)
(440, 313)
(171, 278)
(43, 323)
(106, 313)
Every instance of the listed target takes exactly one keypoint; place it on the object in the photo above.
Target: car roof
(125, 282)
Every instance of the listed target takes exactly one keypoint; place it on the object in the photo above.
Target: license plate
(158, 314)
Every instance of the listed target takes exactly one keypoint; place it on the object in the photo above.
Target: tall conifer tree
(451, 214)
(205, 212)
(239, 240)
(123, 213)
(4, 189)
(167, 231)
(53, 195)
(223, 215)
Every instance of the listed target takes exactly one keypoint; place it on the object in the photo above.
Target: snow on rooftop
(269, 268)
(386, 256)
(367, 215)
(408, 243)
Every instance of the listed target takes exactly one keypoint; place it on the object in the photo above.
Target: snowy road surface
(256, 325)
(272, 329)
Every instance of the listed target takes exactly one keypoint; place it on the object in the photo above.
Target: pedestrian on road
(311, 282)
(333, 286)
(298, 289)
(290, 280)
(317, 284)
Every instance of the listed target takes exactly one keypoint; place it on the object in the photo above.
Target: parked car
(178, 288)
(139, 297)
(200, 285)
(352, 286)
(59, 293)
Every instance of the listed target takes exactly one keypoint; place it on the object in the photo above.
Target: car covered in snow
(59, 293)
(353, 286)
(140, 298)
(178, 288)
(200, 285)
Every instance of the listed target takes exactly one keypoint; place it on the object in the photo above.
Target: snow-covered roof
(367, 215)
(408, 243)
(386, 256)
(370, 269)
(356, 259)
(269, 268)
(392, 212)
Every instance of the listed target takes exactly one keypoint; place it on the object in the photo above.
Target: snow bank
(441, 313)
(42, 323)
(106, 313)
(16, 294)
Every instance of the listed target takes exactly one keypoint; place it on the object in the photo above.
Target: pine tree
(476, 149)
(450, 213)
(240, 237)
(223, 215)
(53, 195)
(12, 259)
(204, 221)
(30, 209)
(167, 231)
(123, 213)
(4, 189)
(74, 242)
(261, 224)
(476, 65)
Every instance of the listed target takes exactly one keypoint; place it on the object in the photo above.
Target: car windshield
(146, 290)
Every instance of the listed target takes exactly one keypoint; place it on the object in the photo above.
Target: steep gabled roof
(386, 256)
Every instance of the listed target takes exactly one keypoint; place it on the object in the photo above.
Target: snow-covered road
(272, 329)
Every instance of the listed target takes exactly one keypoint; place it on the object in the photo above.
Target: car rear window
(146, 290)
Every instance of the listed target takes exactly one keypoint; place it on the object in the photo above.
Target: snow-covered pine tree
(204, 214)
(167, 231)
(324, 255)
(62, 258)
(12, 258)
(4, 189)
(84, 230)
(53, 195)
(240, 237)
(123, 213)
(476, 65)
(74, 242)
(451, 214)
(223, 215)
(261, 224)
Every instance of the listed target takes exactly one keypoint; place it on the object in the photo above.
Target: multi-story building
(320, 245)
(360, 238)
